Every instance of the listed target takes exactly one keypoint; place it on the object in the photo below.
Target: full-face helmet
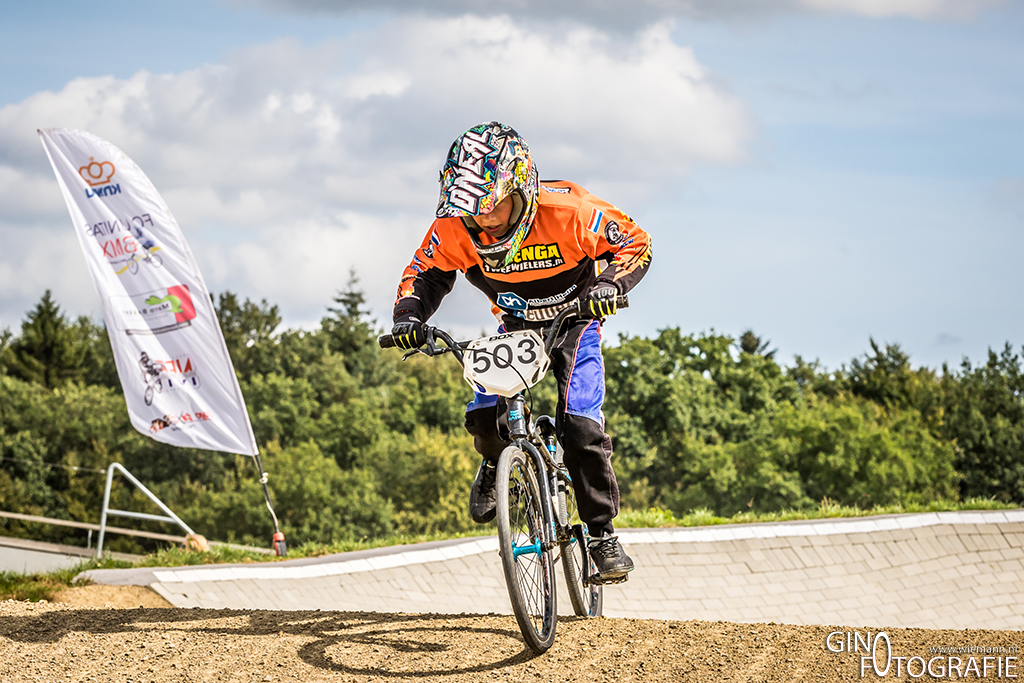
(486, 164)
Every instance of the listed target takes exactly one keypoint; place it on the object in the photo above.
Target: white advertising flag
(174, 367)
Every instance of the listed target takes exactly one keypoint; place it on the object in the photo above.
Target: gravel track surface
(123, 641)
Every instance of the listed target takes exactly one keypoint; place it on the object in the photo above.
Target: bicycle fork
(517, 428)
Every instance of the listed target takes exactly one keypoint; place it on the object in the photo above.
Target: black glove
(409, 334)
(602, 300)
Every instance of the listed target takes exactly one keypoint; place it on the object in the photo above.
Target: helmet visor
(515, 216)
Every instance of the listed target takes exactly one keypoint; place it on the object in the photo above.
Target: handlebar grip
(622, 301)
(386, 341)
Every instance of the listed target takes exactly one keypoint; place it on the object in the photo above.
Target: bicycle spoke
(529, 564)
(587, 600)
(528, 568)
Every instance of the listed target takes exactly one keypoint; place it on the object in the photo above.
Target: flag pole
(280, 546)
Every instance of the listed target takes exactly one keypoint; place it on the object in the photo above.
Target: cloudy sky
(822, 171)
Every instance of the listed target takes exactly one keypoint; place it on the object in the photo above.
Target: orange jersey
(571, 231)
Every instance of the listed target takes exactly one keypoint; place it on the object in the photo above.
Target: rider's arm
(427, 279)
(607, 234)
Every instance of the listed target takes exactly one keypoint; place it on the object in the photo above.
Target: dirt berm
(66, 642)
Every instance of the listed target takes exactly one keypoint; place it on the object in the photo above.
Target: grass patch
(320, 549)
(43, 586)
(33, 587)
(177, 556)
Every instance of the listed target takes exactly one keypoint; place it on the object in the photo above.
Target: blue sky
(822, 171)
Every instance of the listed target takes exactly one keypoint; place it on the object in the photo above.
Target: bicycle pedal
(598, 581)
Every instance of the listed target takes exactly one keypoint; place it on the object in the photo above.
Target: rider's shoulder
(450, 228)
(564, 195)
(561, 192)
(449, 236)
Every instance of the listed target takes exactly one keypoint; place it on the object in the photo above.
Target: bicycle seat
(546, 426)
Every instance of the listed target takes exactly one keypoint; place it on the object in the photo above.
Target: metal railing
(96, 527)
(170, 516)
(106, 511)
(90, 527)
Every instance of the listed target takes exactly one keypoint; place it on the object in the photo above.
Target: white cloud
(300, 266)
(26, 195)
(584, 100)
(35, 259)
(378, 83)
(303, 157)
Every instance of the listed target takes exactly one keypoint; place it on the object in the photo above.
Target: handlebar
(430, 348)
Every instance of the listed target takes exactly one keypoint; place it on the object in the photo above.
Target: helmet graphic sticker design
(486, 164)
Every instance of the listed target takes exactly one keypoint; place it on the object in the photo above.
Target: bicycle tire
(529, 569)
(587, 600)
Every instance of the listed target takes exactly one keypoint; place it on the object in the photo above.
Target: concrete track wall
(23, 556)
(936, 570)
(28, 557)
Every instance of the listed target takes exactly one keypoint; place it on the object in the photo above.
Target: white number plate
(505, 364)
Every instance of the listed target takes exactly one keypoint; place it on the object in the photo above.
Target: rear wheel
(587, 600)
(529, 569)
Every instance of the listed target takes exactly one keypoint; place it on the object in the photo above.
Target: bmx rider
(532, 247)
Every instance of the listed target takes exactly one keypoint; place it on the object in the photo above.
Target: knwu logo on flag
(155, 302)
(98, 173)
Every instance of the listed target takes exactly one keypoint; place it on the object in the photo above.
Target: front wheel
(529, 569)
(587, 598)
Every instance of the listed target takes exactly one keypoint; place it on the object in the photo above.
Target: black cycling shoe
(611, 563)
(483, 495)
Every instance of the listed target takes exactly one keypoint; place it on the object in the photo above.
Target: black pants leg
(579, 370)
(483, 425)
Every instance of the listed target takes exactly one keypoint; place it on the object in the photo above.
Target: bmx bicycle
(536, 504)
(132, 263)
(151, 257)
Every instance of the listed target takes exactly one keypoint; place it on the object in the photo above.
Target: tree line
(360, 445)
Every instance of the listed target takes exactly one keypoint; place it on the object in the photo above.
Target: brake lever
(432, 349)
